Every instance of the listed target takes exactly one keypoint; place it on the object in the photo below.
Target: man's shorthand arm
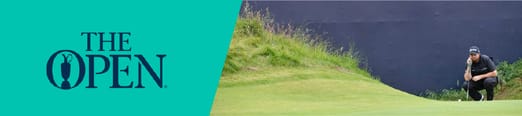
(487, 75)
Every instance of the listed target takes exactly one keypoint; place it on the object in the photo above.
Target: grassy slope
(511, 90)
(512, 76)
(268, 73)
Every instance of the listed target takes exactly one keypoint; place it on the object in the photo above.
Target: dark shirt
(483, 66)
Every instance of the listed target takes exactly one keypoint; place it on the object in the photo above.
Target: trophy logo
(65, 66)
(66, 71)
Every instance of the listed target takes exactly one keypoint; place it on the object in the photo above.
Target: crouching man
(480, 74)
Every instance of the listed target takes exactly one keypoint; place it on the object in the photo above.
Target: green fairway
(304, 91)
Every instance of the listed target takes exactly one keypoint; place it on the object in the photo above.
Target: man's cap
(474, 50)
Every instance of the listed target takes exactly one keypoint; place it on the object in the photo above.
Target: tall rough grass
(259, 43)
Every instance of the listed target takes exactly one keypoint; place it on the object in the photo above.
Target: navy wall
(411, 46)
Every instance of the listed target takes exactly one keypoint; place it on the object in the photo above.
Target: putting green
(329, 91)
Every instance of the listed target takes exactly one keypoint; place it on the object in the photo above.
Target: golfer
(480, 74)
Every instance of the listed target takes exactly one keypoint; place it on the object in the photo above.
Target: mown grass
(329, 92)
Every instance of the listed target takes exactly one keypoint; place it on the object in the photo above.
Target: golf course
(272, 70)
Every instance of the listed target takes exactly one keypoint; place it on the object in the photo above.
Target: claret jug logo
(68, 61)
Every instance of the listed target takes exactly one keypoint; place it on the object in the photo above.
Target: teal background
(194, 34)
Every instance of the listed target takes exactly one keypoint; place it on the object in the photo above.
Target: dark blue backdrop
(411, 46)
